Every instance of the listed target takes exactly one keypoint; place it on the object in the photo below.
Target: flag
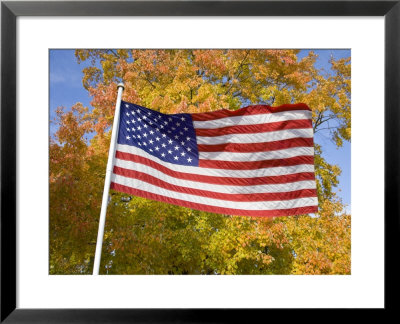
(255, 161)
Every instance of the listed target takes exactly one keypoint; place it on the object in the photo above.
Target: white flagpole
(110, 162)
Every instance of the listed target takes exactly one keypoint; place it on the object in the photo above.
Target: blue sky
(66, 89)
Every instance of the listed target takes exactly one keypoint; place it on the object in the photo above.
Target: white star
(149, 113)
(170, 141)
(140, 144)
(176, 136)
(188, 138)
(161, 126)
(163, 145)
(145, 126)
(151, 132)
(163, 135)
(183, 118)
(139, 136)
(133, 121)
(183, 143)
(181, 133)
(128, 122)
(186, 129)
(139, 128)
(150, 122)
(133, 129)
(183, 153)
(165, 123)
(133, 136)
(128, 137)
(151, 142)
(176, 148)
(150, 150)
(138, 111)
(170, 119)
(157, 148)
(189, 160)
(144, 143)
(126, 105)
(173, 128)
(145, 134)
(139, 119)
(128, 129)
(163, 154)
(157, 139)
(127, 114)
(189, 149)
(144, 117)
(169, 151)
(175, 158)
(178, 124)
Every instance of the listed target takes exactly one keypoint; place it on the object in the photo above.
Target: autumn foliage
(148, 237)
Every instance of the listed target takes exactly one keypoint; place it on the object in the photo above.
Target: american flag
(255, 161)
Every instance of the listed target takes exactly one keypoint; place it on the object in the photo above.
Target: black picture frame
(10, 10)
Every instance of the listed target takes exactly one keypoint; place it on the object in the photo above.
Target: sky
(66, 89)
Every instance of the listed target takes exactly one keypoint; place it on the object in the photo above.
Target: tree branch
(115, 54)
(317, 122)
(239, 71)
(321, 120)
(147, 79)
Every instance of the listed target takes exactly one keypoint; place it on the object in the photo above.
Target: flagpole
(110, 162)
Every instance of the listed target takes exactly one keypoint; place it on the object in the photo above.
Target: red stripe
(215, 195)
(257, 147)
(249, 110)
(303, 176)
(213, 209)
(255, 128)
(253, 165)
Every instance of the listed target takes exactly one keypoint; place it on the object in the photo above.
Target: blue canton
(171, 138)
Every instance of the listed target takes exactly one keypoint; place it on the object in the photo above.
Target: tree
(149, 237)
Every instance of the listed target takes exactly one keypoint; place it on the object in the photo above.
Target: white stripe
(253, 205)
(230, 189)
(218, 172)
(257, 156)
(253, 119)
(256, 137)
